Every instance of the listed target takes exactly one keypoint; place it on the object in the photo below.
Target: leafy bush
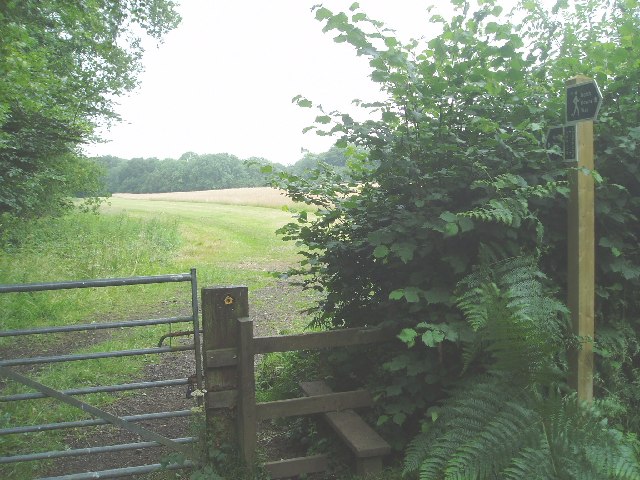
(456, 186)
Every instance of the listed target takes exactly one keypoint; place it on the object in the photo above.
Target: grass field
(227, 244)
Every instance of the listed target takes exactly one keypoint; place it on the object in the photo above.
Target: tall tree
(62, 64)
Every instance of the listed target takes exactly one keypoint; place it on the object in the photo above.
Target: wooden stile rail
(229, 351)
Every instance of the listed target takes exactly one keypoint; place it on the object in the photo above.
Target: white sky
(223, 81)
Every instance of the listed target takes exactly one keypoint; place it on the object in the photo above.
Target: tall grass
(80, 246)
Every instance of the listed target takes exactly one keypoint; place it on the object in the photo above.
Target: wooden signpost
(583, 103)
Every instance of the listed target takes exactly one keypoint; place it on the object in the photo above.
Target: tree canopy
(191, 172)
(62, 65)
(450, 224)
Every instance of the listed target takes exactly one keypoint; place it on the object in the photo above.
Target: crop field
(228, 244)
(258, 197)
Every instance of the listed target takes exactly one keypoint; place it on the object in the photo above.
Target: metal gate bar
(92, 356)
(123, 472)
(91, 423)
(97, 283)
(101, 389)
(95, 326)
(77, 452)
(151, 438)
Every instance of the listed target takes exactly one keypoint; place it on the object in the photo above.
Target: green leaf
(427, 338)
(399, 418)
(323, 13)
(411, 294)
(380, 236)
(465, 224)
(324, 119)
(449, 217)
(396, 294)
(450, 229)
(390, 42)
(393, 390)
(404, 250)
(432, 337)
(382, 419)
(398, 362)
(302, 102)
(381, 251)
(438, 295)
(408, 336)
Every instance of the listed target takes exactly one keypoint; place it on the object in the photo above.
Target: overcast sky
(223, 81)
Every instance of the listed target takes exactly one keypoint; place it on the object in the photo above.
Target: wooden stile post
(221, 309)
(246, 392)
(581, 248)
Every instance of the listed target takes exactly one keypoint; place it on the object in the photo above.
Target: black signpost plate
(570, 142)
(583, 101)
(564, 138)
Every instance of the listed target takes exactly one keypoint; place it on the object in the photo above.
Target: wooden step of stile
(368, 447)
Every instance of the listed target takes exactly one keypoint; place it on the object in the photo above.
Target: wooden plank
(581, 258)
(316, 404)
(222, 399)
(222, 357)
(312, 389)
(318, 340)
(297, 466)
(363, 441)
(246, 392)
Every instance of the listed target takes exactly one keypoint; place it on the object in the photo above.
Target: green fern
(513, 423)
(493, 430)
(517, 323)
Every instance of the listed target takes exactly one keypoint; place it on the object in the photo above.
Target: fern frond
(517, 321)
(416, 452)
(530, 463)
(494, 430)
(503, 434)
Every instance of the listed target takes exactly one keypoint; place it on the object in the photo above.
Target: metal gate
(17, 369)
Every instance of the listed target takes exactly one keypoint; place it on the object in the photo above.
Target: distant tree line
(192, 172)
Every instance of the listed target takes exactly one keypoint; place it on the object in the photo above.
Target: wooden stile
(229, 355)
(308, 406)
(317, 340)
(368, 447)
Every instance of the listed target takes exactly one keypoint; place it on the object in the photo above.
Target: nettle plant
(450, 225)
